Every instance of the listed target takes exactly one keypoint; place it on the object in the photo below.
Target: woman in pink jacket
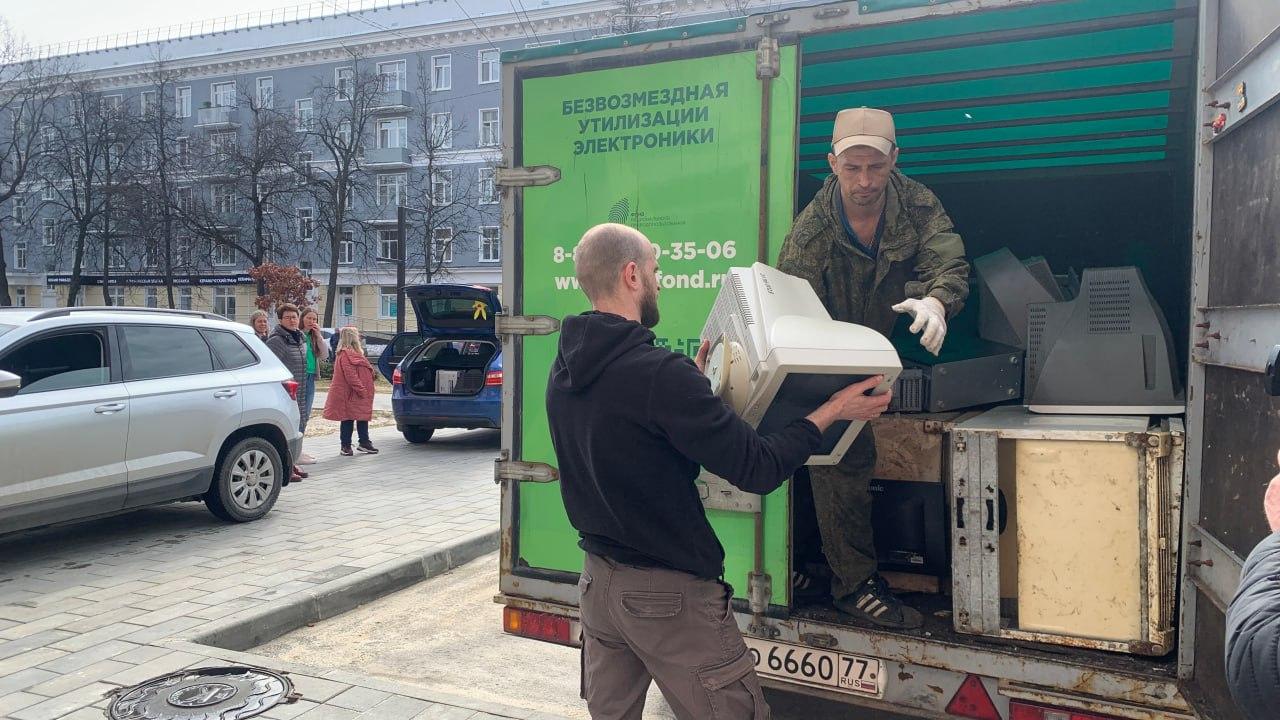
(350, 399)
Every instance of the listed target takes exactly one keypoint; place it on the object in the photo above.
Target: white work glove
(930, 316)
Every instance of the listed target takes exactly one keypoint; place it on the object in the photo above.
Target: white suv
(108, 409)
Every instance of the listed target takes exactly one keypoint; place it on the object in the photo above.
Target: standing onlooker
(350, 397)
(316, 348)
(258, 321)
(1253, 622)
(287, 342)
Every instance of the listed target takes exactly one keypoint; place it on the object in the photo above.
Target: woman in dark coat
(287, 342)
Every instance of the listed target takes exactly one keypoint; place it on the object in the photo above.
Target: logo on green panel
(620, 211)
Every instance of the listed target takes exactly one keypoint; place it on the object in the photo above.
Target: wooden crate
(1089, 555)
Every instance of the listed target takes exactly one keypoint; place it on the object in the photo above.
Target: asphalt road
(446, 634)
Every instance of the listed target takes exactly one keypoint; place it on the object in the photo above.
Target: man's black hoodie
(631, 424)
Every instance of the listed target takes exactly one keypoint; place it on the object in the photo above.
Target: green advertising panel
(673, 149)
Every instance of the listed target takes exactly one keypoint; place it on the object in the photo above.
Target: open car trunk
(448, 367)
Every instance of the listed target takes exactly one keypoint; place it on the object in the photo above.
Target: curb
(249, 628)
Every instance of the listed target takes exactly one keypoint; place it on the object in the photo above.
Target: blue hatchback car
(448, 374)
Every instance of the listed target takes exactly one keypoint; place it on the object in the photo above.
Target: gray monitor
(1108, 351)
(1006, 286)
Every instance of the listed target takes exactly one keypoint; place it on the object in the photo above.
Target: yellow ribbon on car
(479, 310)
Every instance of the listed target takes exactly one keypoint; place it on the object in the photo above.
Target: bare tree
(445, 198)
(27, 92)
(341, 127)
(84, 170)
(737, 8)
(246, 209)
(636, 15)
(162, 163)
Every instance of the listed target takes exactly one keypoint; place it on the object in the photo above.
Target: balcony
(392, 101)
(217, 117)
(387, 158)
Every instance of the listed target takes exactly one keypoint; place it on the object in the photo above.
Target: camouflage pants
(842, 502)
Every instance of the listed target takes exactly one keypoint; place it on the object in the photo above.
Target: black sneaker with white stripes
(874, 603)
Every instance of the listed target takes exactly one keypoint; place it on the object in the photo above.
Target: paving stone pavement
(90, 607)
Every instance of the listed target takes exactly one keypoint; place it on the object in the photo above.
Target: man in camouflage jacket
(873, 243)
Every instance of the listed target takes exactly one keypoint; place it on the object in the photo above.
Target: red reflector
(291, 387)
(972, 701)
(397, 378)
(1024, 711)
(536, 625)
(493, 377)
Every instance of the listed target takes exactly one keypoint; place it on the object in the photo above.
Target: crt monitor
(777, 354)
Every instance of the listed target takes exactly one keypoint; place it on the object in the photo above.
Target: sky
(53, 21)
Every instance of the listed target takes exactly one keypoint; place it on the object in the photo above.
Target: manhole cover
(217, 693)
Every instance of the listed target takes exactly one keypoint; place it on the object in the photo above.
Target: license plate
(819, 668)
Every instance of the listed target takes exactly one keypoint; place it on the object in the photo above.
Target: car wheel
(247, 481)
(418, 435)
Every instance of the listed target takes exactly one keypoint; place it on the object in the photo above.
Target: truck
(1093, 133)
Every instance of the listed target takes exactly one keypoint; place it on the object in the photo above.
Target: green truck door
(669, 145)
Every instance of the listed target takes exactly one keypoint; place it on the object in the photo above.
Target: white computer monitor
(777, 354)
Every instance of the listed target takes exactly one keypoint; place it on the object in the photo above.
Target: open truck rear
(1094, 133)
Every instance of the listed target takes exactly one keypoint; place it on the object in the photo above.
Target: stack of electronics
(1087, 469)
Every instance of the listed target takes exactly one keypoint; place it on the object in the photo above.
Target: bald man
(632, 424)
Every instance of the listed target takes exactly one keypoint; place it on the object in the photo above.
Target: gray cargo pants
(842, 502)
(675, 628)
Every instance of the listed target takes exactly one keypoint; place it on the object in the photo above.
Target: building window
(112, 103)
(305, 267)
(184, 199)
(442, 187)
(223, 94)
(20, 256)
(182, 253)
(442, 130)
(182, 102)
(147, 102)
(392, 189)
(346, 302)
(48, 193)
(20, 297)
(343, 81)
(393, 75)
(115, 260)
(488, 66)
(393, 133)
(224, 198)
(489, 127)
(303, 113)
(306, 223)
(149, 257)
(48, 138)
(20, 209)
(224, 255)
(152, 298)
(488, 186)
(442, 244)
(387, 302)
(347, 248)
(389, 244)
(184, 298)
(490, 244)
(116, 294)
(266, 92)
(223, 143)
(182, 149)
(303, 170)
(441, 72)
(344, 132)
(224, 302)
(50, 232)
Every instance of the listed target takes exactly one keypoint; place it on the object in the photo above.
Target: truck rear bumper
(923, 674)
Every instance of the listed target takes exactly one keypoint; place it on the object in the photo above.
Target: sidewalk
(90, 607)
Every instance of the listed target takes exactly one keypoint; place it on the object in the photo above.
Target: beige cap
(863, 126)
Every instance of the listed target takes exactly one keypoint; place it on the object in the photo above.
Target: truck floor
(937, 627)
